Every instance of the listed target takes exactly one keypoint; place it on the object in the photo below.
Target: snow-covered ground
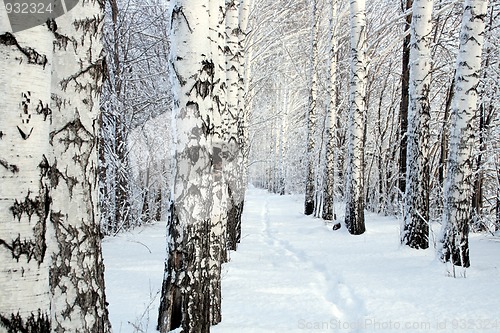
(134, 264)
(292, 273)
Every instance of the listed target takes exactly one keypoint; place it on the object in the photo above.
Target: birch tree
(459, 182)
(309, 204)
(238, 189)
(232, 54)
(59, 206)
(354, 214)
(415, 232)
(403, 108)
(76, 271)
(25, 71)
(236, 21)
(221, 156)
(185, 299)
(331, 135)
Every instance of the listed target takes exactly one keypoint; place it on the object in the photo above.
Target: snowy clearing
(292, 273)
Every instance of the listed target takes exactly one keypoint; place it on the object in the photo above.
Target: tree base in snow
(458, 256)
(309, 207)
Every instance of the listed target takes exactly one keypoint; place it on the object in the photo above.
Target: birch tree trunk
(415, 232)
(243, 146)
(57, 251)
(221, 153)
(235, 122)
(25, 71)
(309, 204)
(403, 109)
(459, 182)
(331, 134)
(231, 51)
(78, 302)
(185, 299)
(354, 215)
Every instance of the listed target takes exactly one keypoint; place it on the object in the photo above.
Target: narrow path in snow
(277, 281)
(292, 273)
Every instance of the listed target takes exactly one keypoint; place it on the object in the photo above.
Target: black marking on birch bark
(33, 56)
(456, 245)
(1, 135)
(101, 4)
(35, 323)
(58, 101)
(171, 305)
(62, 41)
(207, 127)
(51, 24)
(182, 81)
(36, 247)
(24, 135)
(89, 297)
(75, 134)
(95, 70)
(54, 175)
(8, 39)
(43, 110)
(177, 12)
(29, 207)
(90, 26)
(234, 221)
(11, 167)
(33, 248)
(204, 87)
(18, 247)
(60, 268)
(231, 5)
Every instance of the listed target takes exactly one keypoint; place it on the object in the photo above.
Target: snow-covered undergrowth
(292, 273)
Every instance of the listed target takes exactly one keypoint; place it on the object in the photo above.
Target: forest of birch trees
(125, 112)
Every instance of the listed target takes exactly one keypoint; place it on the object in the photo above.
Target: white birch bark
(415, 231)
(282, 143)
(460, 179)
(232, 170)
(185, 300)
(232, 53)
(25, 71)
(78, 302)
(221, 154)
(329, 190)
(354, 215)
(242, 130)
(309, 204)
